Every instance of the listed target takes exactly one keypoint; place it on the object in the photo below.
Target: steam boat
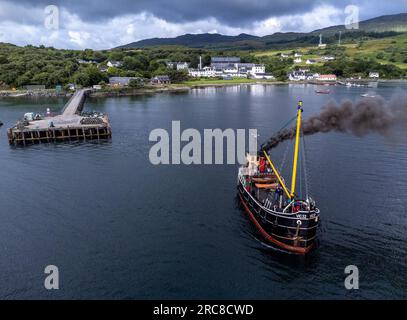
(285, 219)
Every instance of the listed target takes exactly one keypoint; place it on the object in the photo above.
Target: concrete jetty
(75, 104)
(70, 125)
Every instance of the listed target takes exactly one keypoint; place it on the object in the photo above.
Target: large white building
(223, 62)
(258, 68)
(230, 67)
(206, 72)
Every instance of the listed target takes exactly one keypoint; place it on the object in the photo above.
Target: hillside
(389, 23)
(395, 22)
(192, 40)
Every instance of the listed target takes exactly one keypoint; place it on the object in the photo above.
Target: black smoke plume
(369, 115)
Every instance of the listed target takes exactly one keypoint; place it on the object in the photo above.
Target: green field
(394, 50)
(390, 50)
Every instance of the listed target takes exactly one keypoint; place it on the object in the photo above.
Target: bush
(380, 55)
(178, 76)
(136, 83)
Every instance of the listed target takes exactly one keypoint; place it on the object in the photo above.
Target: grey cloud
(230, 12)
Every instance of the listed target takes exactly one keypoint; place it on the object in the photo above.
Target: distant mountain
(392, 23)
(192, 40)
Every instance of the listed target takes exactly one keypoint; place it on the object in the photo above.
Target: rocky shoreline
(34, 94)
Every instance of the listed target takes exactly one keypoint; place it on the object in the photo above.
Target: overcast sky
(101, 24)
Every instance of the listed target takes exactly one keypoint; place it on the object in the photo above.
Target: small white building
(182, 66)
(297, 60)
(312, 76)
(284, 55)
(297, 76)
(178, 65)
(297, 55)
(103, 68)
(328, 58)
(81, 61)
(374, 75)
(114, 64)
(311, 61)
(262, 76)
(120, 81)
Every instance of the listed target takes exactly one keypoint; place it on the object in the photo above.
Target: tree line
(29, 65)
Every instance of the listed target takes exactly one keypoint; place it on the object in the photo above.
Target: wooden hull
(296, 233)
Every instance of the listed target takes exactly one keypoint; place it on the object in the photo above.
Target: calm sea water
(118, 227)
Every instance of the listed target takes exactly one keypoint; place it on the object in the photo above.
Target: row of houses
(302, 75)
(296, 55)
(230, 67)
(305, 74)
(109, 64)
(314, 61)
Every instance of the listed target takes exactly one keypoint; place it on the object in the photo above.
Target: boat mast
(297, 144)
(277, 175)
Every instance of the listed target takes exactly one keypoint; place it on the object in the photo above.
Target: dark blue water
(118, 227)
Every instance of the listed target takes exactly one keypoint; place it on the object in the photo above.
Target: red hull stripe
(270, 238)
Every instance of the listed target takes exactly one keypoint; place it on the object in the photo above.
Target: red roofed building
(327, 77)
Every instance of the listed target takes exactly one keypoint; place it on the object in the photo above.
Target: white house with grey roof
(114, 64)
(178, 65)
(120, 81)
